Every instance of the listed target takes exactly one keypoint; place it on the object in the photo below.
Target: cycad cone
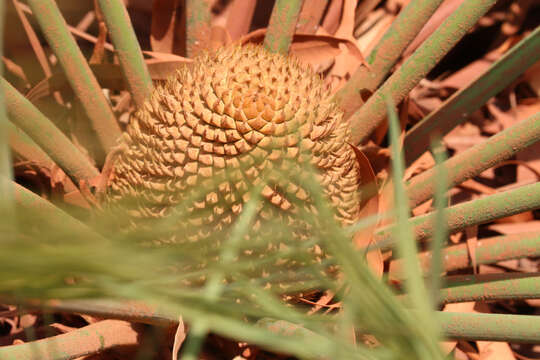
(234, 119)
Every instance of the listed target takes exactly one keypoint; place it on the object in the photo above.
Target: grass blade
(478, 158)
(127, 49)
(6, 168)
(441, 232)
(214, 286)
(384, 55)
(197, 26)
(470, 213)
(406, 245)
(402, 230)
(282, 25)
(455, 109)
(369, 116)
(27, 117)
(81, 78)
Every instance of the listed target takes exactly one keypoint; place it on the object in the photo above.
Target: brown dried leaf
(239, 16)
(464, 307)
(529, 157)
(62, 328)
(179, 337)
(515, 16)
(87, 20)
(346, 27)
(444, 10)
(309, 48)
(369, 207)
(140, 5)
(75, 198)
(310, 16)
(471, 234)
(423, 208)
(110, 76)
(516, 228)
(364, 9)
(32, 38)
(345, 63)
(98, 55)
(477, 187)
(325, 301)
(448, 346)
(395, 5)
(380, 133)
(165, 29)
(423, 163)
(463, 137)
(166, 56)
(518, 218)
(464, 76)
(370, 37)
(532, 76)
(28, 320)
(465, 351)
(219, 36)
(333, 16)
(491, 350)
(379, 158)
(427, 104)
(15, 70)
(386, 202)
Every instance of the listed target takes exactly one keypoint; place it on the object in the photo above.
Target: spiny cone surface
(228, 122)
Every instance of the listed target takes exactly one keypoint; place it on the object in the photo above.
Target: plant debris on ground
(75, 286)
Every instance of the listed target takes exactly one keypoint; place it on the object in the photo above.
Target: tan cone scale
(240, 115)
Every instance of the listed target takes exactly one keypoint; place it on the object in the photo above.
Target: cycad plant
(127, 195)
